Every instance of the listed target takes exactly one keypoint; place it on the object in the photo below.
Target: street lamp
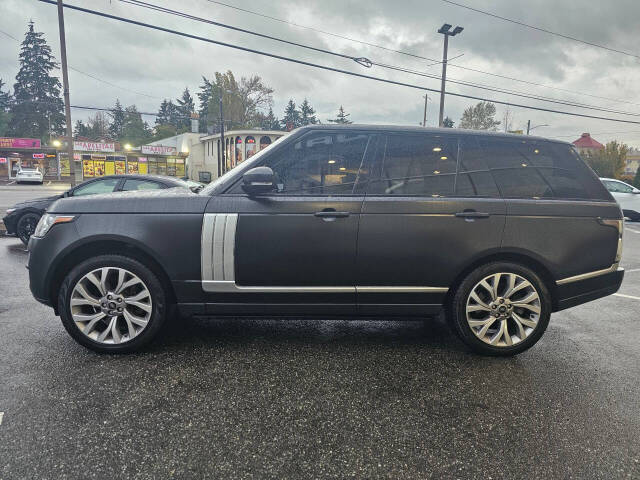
(529, 127)
(57, 143)
(447, 32)
(127, 146)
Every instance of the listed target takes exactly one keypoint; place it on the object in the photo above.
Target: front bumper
(575, 293)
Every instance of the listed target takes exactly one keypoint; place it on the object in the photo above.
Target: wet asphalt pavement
(320, 399)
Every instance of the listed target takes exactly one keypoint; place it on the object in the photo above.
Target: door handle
(471, 214)
(331, 214)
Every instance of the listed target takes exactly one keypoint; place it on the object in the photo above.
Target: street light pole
(222, 146)
(65, 84)
(447, 32)
(424, 121)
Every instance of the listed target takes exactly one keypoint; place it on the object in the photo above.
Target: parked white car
(29, 174)
(627, 196)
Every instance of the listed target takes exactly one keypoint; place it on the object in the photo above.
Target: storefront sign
(3, 159)
(38, 155)
(94, 147)
(158, 150)
(19, 143)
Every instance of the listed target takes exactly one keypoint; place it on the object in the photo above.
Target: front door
(431, 207)
(293, 250)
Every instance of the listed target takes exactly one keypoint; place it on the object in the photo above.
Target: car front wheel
(26, 226)
(501, 309)
(112, 303)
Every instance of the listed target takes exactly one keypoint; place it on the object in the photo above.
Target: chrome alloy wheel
(111, 305)
(503, 309)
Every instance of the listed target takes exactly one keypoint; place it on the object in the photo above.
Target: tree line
(35, 108)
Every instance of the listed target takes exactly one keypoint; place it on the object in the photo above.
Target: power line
(540, 29)
(368, 63)
(90, 75)
(327, 68)
(436, 62)
(596, 133)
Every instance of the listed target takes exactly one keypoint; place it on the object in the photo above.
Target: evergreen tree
(307, 114)
(5, 104)
(342, 117)
(80, 130)
(447, 122)
(134, 130)
(168, 114)
(184, 108)
(36, 92)
(204, 97)
(117, 120)
(291, 117)
(270, 122)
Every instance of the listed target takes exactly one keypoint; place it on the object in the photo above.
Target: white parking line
(632, 270)
(632, 230)
(1, 415)
(626, 296)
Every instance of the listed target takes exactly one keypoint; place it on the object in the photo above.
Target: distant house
(587, 145)
(633, 162)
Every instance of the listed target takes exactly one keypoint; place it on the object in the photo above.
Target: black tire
(26, 226)
(458, 313)
(151, 281)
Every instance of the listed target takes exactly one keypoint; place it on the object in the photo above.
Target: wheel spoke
(103, 335)
(521, 332)
(483, 331)
(115, 333)
(103, 279)
(93, 279)
(139, 321)
(129, 283)
(484, 284)
(137, 297)
(478, 308)
(478, 300)
(90, 298)
(528, 306)
(525, 321)
(505, 333)
(496, 338)
(496, 283)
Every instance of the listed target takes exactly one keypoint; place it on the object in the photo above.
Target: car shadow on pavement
(430, 332)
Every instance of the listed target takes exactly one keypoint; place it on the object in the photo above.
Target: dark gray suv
(357, 221)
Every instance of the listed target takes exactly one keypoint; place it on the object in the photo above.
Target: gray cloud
(161, 65)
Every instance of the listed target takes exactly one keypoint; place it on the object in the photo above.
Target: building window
(264, 142)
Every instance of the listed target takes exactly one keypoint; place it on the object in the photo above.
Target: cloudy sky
(142, 66)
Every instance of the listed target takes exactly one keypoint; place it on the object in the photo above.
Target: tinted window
(320, 163)
(474, 178)
(99, 186)
(534, 169)
(422, 165)
(137, 184)
(617, 187)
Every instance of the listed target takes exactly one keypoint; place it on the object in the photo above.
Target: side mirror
(258, 180)
(66, 194)
(635, 190)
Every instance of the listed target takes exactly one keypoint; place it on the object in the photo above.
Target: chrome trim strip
(206, 254)
(369, 289)
(229, 286)
(586, 276)
(228, 248)
(218, 247)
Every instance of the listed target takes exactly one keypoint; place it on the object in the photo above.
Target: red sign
(19, 143)
(3, 159)
(38, 155)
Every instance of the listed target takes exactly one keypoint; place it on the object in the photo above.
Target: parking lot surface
(240, 398)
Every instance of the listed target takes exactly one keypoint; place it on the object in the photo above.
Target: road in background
(240, 398)
(12, 194)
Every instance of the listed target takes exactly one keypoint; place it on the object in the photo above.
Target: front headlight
(10, 210)
(47, 221)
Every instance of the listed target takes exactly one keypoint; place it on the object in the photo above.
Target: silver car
(627, 196)
(29, 174)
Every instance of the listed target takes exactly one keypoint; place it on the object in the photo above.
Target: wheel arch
(93, 247)
(526, 259)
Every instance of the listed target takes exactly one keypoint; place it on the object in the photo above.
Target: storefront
(27, 152)
(161, 160)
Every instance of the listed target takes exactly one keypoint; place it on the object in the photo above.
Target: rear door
(294, 250)
(431, 207)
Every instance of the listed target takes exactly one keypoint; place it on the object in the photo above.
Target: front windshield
(246, 164)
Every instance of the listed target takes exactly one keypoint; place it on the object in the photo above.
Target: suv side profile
(355, 221)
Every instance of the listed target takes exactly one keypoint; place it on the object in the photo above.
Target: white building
(238, 146)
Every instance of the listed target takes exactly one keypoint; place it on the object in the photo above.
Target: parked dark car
(22, 218)
(357, 221)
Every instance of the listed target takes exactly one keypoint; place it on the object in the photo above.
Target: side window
(137, 184)
(320, 164)
(474, 178)
(618, 187)
(422, 165)
(100, 186)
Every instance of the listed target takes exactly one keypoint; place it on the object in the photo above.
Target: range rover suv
(355, 221)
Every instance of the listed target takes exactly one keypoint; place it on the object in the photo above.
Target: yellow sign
(120, 167)
(87, 168)
(109, 168)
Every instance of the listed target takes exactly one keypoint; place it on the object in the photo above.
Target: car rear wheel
(112, 304)
(501, 309)
(26, 226)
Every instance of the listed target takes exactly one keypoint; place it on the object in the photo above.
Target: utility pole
(65, 84)
(424, 121)
(528, 126)
(447, 32)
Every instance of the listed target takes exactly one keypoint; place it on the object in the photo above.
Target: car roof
(157, 178)
(431, 130)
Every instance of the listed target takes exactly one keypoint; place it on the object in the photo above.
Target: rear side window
(534, 169)
(320, 163)
(474, 178)
(422, 165)
(138, 184)
(99, 186)
(617, 187)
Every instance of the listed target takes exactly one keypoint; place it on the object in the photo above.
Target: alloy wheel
(503, 309)
(111, 305)
(27, 228)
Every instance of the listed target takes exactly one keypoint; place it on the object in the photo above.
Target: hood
(42, 202)
(170, 200)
